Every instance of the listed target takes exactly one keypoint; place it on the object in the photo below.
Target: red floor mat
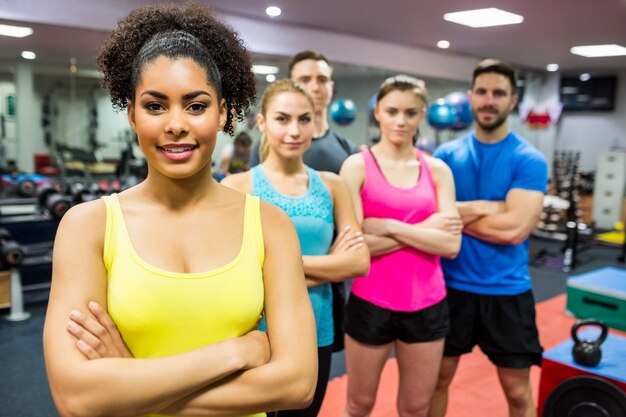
(475, 390)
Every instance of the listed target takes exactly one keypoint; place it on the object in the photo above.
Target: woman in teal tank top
(157, 291)
(318, 203)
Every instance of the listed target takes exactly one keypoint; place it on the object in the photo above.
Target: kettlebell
(587, 352)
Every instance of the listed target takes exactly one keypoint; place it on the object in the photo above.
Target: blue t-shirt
(487, 172)
(312, 215)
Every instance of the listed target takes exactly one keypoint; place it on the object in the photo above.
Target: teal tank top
(312, 215)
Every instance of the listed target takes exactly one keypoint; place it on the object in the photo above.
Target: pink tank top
(407, 279)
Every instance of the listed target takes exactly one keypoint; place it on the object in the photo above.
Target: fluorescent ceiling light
(552, 67)
(585, 76)
(264, 69)
(443, 44)
(596, 51)
(273, 11)
(482, 18)
(28, 55)
(15, 31)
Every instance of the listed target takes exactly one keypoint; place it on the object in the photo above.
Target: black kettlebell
(587, 352)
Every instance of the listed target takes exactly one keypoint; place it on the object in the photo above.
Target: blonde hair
(284, 85)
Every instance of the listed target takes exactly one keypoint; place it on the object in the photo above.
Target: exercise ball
(343, 112)
(440, 115)
(371, 104)
(459, 101)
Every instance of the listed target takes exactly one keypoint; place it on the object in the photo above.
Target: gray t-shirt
(326, 153)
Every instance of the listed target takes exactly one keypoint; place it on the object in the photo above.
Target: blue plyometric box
(600, 294)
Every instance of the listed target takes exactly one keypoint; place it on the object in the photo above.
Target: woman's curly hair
(117, 56)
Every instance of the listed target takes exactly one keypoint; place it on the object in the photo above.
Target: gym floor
(24, 390)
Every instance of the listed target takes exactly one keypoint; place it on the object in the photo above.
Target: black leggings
(324, 355)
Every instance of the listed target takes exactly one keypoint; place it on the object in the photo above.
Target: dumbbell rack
(561, 218)
(11, 257)
(564, 193)
(35, 234)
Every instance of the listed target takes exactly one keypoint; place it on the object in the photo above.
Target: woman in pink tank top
(407, 203)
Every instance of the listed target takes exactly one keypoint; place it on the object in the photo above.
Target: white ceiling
(550, 28)
(66, 28)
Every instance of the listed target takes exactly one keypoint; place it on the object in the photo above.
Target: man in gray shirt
(328, 150)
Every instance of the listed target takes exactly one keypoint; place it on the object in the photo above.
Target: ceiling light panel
(482, 18)
(15, 31)
(598, 51)
(265, 69)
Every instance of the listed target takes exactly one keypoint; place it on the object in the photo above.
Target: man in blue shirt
(500, 182)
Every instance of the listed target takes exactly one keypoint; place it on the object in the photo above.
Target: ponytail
(264, 148)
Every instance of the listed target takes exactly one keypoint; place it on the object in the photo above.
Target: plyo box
(558, 364)
(599, 294)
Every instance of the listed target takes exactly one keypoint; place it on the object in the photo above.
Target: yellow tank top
(161, 313)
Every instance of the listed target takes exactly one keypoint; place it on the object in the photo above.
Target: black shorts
(502, 325)
(373, 325)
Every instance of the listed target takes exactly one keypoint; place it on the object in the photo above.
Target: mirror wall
(69, 107)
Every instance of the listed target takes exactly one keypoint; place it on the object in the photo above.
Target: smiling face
(399, 114)
(176, 115)
(287, 124)
(492, 99)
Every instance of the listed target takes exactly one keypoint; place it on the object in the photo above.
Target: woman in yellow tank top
(183, 266)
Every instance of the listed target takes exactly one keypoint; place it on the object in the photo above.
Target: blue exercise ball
(459, 101)
(441, 115)
(371, 104)
(343, 112)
